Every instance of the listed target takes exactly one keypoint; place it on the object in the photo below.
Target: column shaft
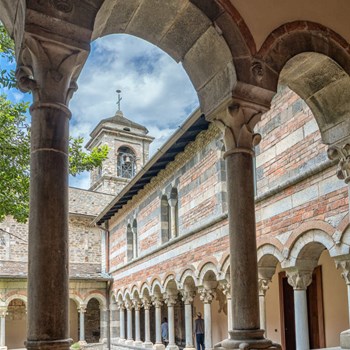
(82, 326)
(207, 326)
(348, 289)
(262, 312)
(48, 227)
(188, 325)
(229, 314)
(2, 330)
(147, 327)
(244, 269)
(129, 320)
(122, 323)
(301, 320)
(171, 324)
(158, 325)
(137, 325)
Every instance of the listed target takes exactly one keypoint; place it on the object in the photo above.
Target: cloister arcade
(234, 53)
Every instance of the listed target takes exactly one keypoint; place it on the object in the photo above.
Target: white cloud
(156, 91)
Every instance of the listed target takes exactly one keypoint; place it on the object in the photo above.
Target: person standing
(165, 335)
(199, 331)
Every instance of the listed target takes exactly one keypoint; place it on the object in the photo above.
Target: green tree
(15, 146)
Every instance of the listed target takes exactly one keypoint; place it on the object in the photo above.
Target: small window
(135, 239)
(174, 212)
(126, 163)
(130, 243)
(126, 129)
(164, 219)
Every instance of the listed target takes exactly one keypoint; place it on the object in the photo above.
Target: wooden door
(287, 313)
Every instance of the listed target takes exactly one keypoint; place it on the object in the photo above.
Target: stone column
(173, 228)
(157, 301)
(237, 123)
(103, 324)
(3, 313)
(137, 305)
(147, 305)
(341, 153)
(226, 290)
(49, 69)
(265, 274)
(343, 264)
(207, 296)
(171, 300)
(187, 298)
(121, 306)
(300, 280)
(129, 306)
(82, 310)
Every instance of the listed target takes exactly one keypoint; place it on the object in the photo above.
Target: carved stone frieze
(206, 295)
(226, 289)
(299, 279)
(237, 124)
(342, 154)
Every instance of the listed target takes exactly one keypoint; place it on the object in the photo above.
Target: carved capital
(121, 305)
(344, 266)
(129, 305)
(226, 289)
(188, 296)
(137, 304)
(299, 279)
(157, 301)
(82, 309)
(3, 312)
(146, 303)
(206, 295)
(342, 154)
(237, 124)
(170, 299)
(263, 284)
(49, 69)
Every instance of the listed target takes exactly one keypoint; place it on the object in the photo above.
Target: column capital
(121, 305)
(129, 305)
(188, 296)
(157, 300)
(206, 295)
(137, 304)
(49, 70)
(170, 299)
(299, 279)
(146, 303)
(237, 124)
(3, 312)
(172, 202)
(343, 264)
(341, 153)
(263, 284)
(226, 289)
(82, 309)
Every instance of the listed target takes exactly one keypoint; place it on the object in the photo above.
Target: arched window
(164, 219)
(129, 243)
(173, 201)
(135, 239)
(126, 163)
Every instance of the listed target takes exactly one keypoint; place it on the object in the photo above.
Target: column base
(148, 345)
(247, 340)
(172, 347)
(189, 348)
(158, 346)
(344, 339)
(49, 345)
(138, 343)
(121, 341)
(129, 342)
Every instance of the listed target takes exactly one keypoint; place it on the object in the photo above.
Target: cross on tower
(119, 99)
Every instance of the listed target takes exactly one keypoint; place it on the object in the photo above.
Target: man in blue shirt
(199, 331)
(165, 335)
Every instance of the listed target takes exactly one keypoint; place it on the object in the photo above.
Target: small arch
(78, 301)
(189, 273)
(130, 243)
(135, 292)
(99, 297)
(174, 212)
(164, 219)
(208, 267)
(145, 290)
(156, 285)
(225, 265)
(126, 162)
(269, 255)
(16, 296)
(169, 280)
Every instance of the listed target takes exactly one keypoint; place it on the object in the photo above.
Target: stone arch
(269, 255)
(78, 301)
(99, 297)
(155, 284)
(169, 279)
(208, 268)
(119, 296)
(135, 292)
(183, 31)
(315, 63)
(187, 274)
(225, 265)
(145, 290)
(308, 248)
(16, 296)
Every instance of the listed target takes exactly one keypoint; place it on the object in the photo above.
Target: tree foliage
(15, 145)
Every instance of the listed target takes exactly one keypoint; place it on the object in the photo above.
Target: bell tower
(128, 144)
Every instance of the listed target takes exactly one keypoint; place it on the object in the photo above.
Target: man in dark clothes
(199, 331)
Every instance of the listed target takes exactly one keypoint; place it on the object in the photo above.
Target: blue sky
(156, 91)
